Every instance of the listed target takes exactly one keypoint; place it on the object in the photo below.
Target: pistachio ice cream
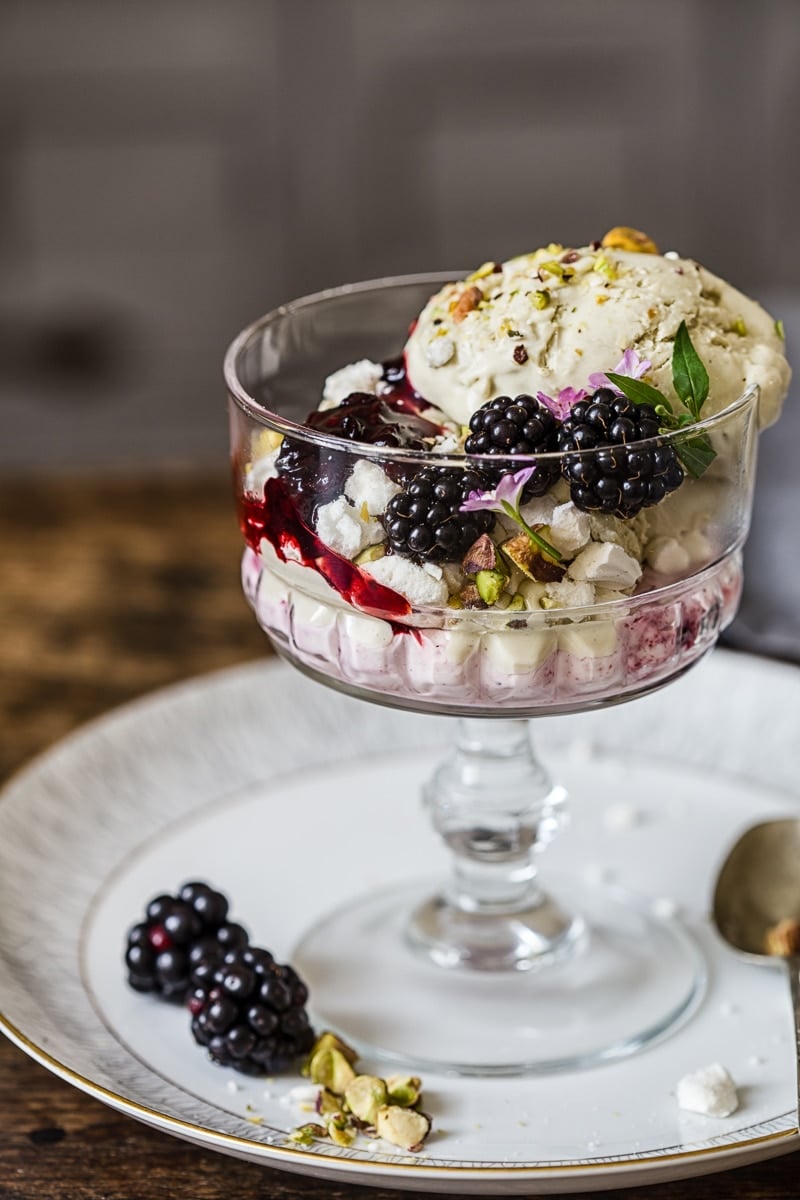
(544, 320)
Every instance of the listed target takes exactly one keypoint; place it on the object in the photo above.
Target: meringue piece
(361, 376)
(411, 581)
(607, 564)
(709, 1090)
(341, 527)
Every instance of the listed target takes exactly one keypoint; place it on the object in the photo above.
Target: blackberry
(424, 523)
(159, 949)
(250, 1011)
(315, 475)
(620, 477)
(519, 426)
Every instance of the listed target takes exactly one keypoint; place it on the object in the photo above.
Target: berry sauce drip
(619, 476)
(276, 519)
(315, 475)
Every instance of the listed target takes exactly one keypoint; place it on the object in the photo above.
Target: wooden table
(108, 590)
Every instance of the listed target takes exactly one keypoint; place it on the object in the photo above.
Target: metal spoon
(758, 887)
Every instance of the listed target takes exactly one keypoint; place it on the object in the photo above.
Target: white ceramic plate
(293, 799)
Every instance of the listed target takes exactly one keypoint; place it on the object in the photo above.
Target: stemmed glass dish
(531, 979)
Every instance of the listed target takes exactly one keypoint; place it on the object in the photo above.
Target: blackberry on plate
(519, 426)
(424, 523)
(315, 475)
(159, 949)
(619, 476)
(250, 1012)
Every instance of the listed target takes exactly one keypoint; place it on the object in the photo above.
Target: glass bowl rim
(292, 429)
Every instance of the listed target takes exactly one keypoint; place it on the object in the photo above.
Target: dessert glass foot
(491, 972)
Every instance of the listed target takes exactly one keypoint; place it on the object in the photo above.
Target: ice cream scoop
(757, 902)
(548, 320)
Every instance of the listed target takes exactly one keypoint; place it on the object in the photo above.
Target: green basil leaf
(638, 391)
(697, 455)
(689, 376)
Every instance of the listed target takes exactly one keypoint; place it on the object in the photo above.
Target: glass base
(484, 941)
(610, 987)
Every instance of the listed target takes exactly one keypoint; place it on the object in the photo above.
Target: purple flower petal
(508, 492)
(562, 405)
(630, 365)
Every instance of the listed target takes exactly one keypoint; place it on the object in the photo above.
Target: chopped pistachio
(328, 1102)
(341, 1131)
(471, 597)
(490, 584)
(404, 1090)
(562, 273)
(330, 1041)
(481, 556)
(780, 330)
(403, 1127)
(530, 559)
(304, 1135)
(622, 237)
(371, 554)
(541, 299)
(469, 300)
(364, 1096)
(740, 327)
(517, 603)
(604, 267)
(455, 602)
(488, 268)
(330, 1068)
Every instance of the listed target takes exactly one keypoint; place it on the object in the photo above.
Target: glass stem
(495, 806)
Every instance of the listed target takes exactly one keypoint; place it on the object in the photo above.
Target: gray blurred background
(169, 169)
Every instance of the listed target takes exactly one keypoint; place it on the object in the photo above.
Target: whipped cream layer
(547, 320)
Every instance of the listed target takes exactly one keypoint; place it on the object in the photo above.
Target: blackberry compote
(519, 426)
(620, 476)
(159, 949)
(314, 475)
(424, 522)
(250, 1012)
